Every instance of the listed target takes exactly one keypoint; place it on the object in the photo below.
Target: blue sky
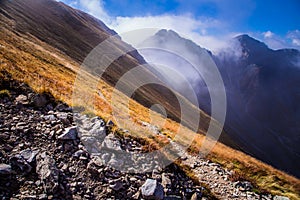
(208, 22)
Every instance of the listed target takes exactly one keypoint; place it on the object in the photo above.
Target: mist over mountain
(262, 88)
(181, 63)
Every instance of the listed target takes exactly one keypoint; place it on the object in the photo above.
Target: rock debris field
(48, 152)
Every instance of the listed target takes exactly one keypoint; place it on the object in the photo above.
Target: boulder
(111, 143)
(5, 169)
(151, 189)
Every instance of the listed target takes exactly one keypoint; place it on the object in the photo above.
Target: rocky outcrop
(50, 153)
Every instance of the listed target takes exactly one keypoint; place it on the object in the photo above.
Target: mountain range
(262, 89)
(43, 43)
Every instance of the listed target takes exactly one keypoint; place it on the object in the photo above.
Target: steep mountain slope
(75, 34)
(262, 87)
(51, 64)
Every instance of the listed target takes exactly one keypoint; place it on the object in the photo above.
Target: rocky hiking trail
(48, 152)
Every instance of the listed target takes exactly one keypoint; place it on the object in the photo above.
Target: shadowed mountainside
(262, 88)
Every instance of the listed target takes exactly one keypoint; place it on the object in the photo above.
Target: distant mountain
(183, 60)
(263, 94)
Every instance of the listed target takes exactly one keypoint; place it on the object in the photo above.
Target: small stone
(196, 196)
(78, 153)
(69, 134)
(165, 181)
(133, 179)
(110, 123)
(50, 117)
(280, 198)
(43, 196)
(151, 189)
(21, 99)
(116, 186)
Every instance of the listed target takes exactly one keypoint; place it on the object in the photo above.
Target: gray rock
(91, 144)
(29, 155)
(112, 143)
(151, 189)
(5, 169)
(114, 162)
(280, 198)
(78, 153)
(47, 171)
(4, 136)
(69, 134)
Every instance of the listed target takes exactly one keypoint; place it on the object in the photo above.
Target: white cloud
(95, 8)
(274, 41)
(73, 3)
(295, 37)
(196, 29)
(185, 25)
(210, 33)
(268, 34)
(296, 42)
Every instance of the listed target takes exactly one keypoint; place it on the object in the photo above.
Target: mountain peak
(250, 43)
(167, 33)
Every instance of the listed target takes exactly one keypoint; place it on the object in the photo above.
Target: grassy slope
(46, 69)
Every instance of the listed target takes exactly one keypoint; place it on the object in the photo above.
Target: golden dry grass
(44, 68)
